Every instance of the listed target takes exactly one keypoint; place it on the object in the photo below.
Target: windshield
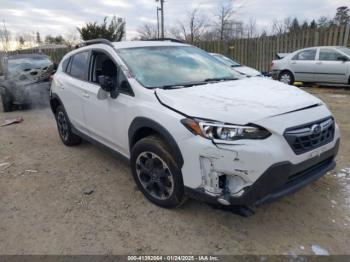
(345, 50)
(227, 60)
(22, 65)
(161, 66)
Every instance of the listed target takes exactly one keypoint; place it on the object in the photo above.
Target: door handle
(86, 95)
(293, 63)
(318, 63)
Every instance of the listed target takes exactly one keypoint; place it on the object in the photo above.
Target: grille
(310, 136)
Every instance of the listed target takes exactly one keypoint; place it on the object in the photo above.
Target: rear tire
(286, 77)
(65, 128)
(6, 102)
(156, 173)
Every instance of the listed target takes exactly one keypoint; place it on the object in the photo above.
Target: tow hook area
(242, 211)
(221, 180)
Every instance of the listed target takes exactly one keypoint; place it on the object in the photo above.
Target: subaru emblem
(316, 129)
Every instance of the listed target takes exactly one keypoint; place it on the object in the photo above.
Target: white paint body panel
(237, 102)
(252, 100)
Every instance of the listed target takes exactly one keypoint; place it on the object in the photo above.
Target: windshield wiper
(177, 86)
(220, 79)
(171, 87)
(206, 81)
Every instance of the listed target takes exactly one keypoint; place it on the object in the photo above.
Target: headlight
(219, 131)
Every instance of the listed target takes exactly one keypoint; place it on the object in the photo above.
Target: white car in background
(324, 64)
(242, 69)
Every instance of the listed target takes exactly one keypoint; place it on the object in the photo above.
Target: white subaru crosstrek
(189, 125)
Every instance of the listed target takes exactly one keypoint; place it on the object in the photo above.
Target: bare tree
(209, 35)
(148, 31)
(72, 38)
(277, 27)
(5, 36)
(193, 28)
(224, 18)
(324, 22)
(20, 42)
(30, 39)
(281, 26)
(226, 26)
(176, 32)
(251, 28)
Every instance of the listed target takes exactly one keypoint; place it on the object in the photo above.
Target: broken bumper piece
(277, 181)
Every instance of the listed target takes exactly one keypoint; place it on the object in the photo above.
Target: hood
(247, 71)
(237, 102)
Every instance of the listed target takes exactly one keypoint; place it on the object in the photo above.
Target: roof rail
(166, 39)
(94, 42)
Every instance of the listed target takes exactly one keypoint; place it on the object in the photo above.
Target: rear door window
(305, 55)
(79, 65)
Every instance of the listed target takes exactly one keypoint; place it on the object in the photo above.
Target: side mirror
(343, 58)
(107, 85)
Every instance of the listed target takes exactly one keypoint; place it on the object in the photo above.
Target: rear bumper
(277, 181)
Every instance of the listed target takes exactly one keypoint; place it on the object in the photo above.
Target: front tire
(65, 128)
(156, 173)
(286, 77)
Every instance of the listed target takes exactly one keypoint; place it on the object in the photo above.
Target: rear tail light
(271, 65)
(51, 77)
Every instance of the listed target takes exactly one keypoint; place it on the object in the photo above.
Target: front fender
(141, 122)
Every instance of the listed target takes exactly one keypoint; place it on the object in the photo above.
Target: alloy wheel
(154, 175)
(285, 78)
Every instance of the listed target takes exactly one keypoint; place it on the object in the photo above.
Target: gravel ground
(44, 210)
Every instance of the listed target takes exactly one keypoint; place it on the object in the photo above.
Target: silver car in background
(323, 64)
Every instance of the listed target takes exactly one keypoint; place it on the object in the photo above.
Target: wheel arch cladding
(55, 101)
(142, 127)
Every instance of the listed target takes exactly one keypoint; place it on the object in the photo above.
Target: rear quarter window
(65, 64)
(79, 64)
(305, 55)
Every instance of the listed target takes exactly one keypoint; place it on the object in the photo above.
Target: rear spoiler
(281, 55)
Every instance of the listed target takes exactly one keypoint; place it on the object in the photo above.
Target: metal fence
(254, 52)
(259, 52)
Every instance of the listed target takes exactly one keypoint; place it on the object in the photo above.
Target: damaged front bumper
(278, 180)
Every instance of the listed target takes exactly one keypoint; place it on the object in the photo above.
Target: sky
(63, 16)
